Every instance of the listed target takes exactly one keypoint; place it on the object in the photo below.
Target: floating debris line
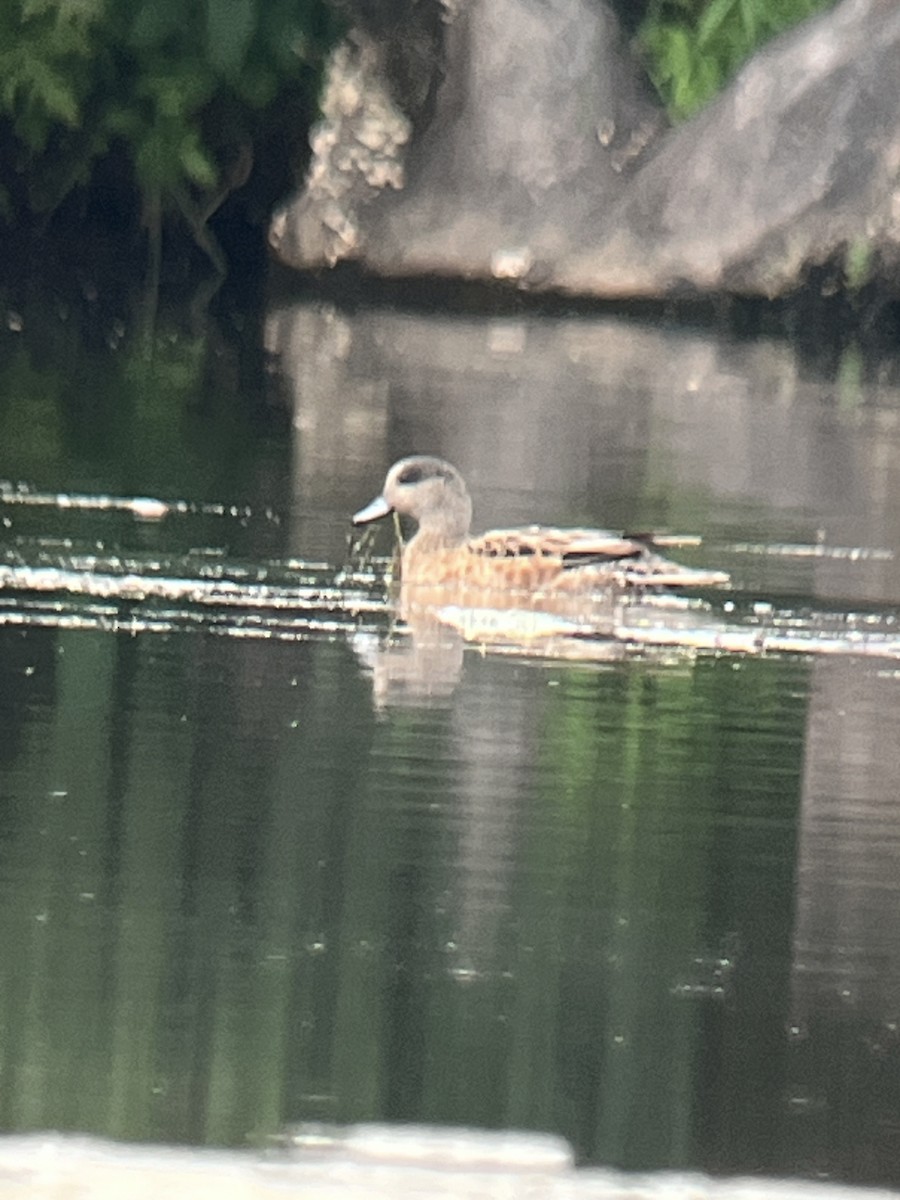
(293, 602)
(50, 582)
(811, 550)
(127, 595)
(145, 508)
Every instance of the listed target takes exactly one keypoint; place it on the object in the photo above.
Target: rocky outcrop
(529, 147)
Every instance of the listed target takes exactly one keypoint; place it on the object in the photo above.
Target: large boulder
(533, 114)
(795, 164)
(531, 148)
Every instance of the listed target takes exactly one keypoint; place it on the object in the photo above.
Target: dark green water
(651, 904)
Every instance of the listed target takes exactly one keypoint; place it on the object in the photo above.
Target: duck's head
(430, 491)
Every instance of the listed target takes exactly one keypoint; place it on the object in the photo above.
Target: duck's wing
(593, 554)
(570, 547)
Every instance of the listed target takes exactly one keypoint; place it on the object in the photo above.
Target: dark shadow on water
(820, 325)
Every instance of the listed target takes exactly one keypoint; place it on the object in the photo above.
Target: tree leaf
(46, 88)
(750, 20)
(156, 22)
(195, 162)
(230, 25)
(713, 16)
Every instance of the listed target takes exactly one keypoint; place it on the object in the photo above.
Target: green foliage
(44, 46)
(694, 46)
(174, 82)
(859, 261)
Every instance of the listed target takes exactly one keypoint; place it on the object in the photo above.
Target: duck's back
(537, 558)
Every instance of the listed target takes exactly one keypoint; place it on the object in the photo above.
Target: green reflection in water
(112, 420)
(231, 899)
(666, 853)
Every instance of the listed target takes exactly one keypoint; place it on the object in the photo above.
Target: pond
(264, 860)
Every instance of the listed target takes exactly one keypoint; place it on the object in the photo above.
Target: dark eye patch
(411, 475)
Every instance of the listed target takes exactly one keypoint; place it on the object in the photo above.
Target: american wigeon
(534, 559)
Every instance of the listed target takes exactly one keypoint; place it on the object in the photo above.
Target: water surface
(259, 866)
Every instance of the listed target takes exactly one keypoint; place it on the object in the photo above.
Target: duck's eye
(410, 475)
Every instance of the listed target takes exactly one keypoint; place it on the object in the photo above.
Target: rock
(518, 140)
(356, 156)
(533, 117)
(796, 162)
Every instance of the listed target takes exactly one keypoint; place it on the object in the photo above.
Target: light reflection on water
(74, 583)
(647, 901)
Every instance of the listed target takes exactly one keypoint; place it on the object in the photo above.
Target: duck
(535, 559)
